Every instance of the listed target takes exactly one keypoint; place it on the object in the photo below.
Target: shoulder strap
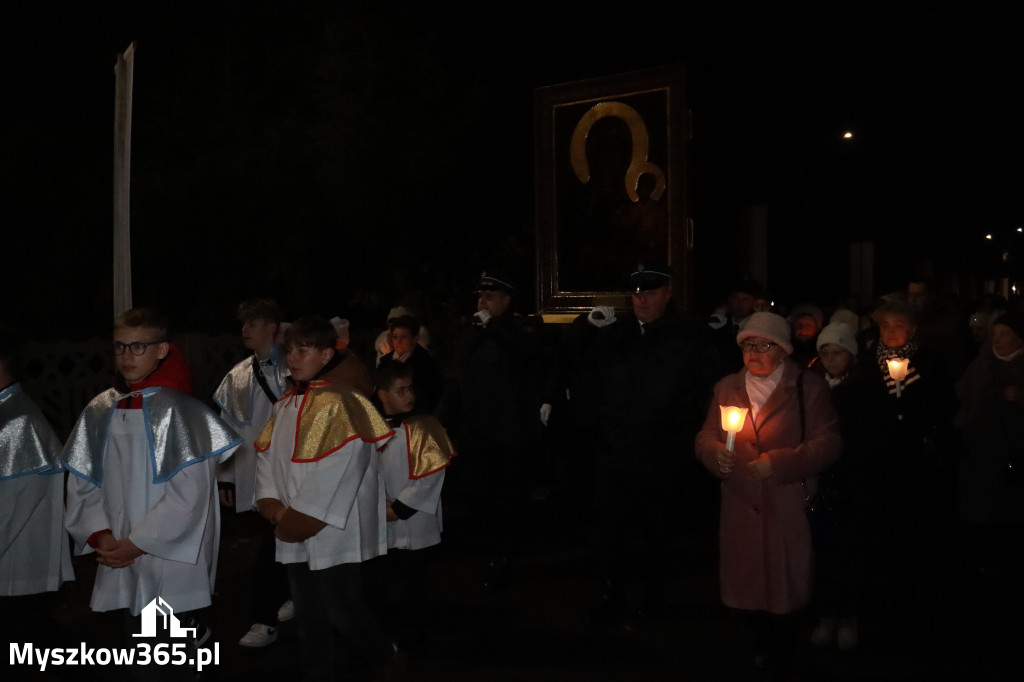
(257, 370)
(800, 400)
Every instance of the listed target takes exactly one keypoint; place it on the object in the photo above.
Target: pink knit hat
(768, 326)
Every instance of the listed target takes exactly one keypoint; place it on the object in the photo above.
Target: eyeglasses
(402, 391)
(135, 348)
(758, 346)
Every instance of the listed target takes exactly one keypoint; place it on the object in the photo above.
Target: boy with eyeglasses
(143, 494)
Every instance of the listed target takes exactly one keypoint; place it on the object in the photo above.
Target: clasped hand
(117, 553)
(759, 469)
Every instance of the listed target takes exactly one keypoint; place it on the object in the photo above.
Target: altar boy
(319, 483)
(414, 464)
(143, 494)
(34, 555)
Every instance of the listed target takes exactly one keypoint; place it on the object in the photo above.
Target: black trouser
(270, 578)
(775, 639)
(494, 485)
(29, 618)
(635, 546)
(397, 587)
(329, 607)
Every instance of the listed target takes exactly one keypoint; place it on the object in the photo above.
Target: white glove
(341, 326)
(483, 316)
(601, 316)
(545, 413)
(279, 338)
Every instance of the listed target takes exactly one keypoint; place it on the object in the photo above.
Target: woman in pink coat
(790, 434)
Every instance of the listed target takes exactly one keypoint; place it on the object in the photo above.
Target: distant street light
(848, 135)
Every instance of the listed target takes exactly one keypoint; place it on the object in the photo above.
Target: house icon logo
(159, 609)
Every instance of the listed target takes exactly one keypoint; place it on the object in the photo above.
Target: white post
(123, 76)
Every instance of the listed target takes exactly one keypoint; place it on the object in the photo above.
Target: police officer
(656, 367)
(491, 409)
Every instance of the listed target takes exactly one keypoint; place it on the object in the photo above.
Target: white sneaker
(847, 635)
(286, 612)
(824, 631)
(259, 635)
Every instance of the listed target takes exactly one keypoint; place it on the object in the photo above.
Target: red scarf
(172, 372)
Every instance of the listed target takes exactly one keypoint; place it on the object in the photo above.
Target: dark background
(344, 158)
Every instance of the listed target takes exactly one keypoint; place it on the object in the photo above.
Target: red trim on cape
(408, 458)
(295, 446)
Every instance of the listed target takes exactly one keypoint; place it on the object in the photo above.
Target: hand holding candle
(898, 371)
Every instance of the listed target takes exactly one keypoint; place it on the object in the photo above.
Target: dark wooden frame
(570, 279)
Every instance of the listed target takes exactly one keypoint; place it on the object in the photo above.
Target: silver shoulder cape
(180, 429)
(238, 388)
(28, 444)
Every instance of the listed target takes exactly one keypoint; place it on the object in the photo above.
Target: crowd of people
(877, 451)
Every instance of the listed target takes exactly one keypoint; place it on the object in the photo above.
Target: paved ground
(533, 629)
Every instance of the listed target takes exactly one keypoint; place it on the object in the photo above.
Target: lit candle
(898, 371)
(732, 423)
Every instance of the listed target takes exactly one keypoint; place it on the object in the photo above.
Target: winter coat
(491, 403)
(993, 429)
(654, 388)
(765, 542)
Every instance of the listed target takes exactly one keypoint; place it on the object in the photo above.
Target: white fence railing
(63, 376)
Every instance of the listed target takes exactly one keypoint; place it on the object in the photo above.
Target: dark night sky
(299, 152)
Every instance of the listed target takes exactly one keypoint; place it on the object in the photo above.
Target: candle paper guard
(898, 371)
(732, 423)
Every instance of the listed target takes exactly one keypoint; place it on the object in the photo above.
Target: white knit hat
(840, 334)
(848, 317)
(769, 326)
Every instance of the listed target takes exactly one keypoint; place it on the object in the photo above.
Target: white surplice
(423, 528)
(177, 523)
(34, 555)
(345, 490)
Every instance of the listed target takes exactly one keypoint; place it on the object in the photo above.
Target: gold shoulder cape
(330, 416)
(428, 445)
